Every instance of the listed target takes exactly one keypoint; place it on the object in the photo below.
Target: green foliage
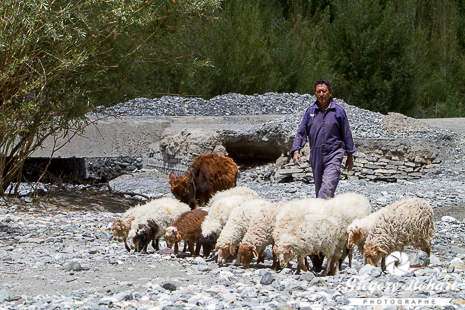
(57, 57)
(368, 42)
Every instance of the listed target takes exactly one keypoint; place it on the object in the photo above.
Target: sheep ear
(362, 232)
(255, 253)
(173, 178)
(231, 249)
(381, 250)
(178, 235)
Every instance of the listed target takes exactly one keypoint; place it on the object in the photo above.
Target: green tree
(366, 44)
(58, 57)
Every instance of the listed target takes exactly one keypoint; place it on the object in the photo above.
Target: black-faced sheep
(162, 213)
(122, 226)
(408, 222)
(187, 227)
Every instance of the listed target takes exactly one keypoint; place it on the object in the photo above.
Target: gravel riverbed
(56, 255)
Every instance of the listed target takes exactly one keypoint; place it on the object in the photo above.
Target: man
(326, 125)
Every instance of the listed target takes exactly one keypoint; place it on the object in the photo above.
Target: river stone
(4, 295)
(267, 278)
(419, 259)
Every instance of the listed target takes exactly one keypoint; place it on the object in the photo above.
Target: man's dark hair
(324, 81)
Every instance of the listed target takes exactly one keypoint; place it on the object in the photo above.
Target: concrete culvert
(246, 152)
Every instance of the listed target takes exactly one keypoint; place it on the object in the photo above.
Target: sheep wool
(219, 209)
(310, 233)
(162, 212)
(408, 222)
(236, 227)
(187, 227)
(260, 234)
(121, 227)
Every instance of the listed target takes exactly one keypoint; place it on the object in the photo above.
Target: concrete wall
(113, 138)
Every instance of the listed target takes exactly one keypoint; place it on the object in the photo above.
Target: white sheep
(293, 209)
(219, 209)
(122, 226)
(236, 227)
(360, 229)
(151, 226)
(338, 212)
(408, 222)
(346, 208)
(260, 234)
(307, 234)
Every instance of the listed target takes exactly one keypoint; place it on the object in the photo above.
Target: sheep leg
(155, 244)
(126, 245)
(300, 265)
(351, 252)
(325, 272)
(238, 260)
(317, 261)
(191, 247)
(176, 248)
(275, 265)
(197, 248)
(383, 263)
(186, 243)
(334, 265)
(426, 247)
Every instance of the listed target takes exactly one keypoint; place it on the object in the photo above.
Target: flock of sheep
(238, 221)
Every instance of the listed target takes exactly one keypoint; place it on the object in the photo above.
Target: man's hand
(349, 162)
(296, 158)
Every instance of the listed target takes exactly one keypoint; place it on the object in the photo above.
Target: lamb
(152, 225)
(219, 209)
(408, 222)
(260, 235)
(306, 235)
(237, 226)
(122, 226)
(186, 227)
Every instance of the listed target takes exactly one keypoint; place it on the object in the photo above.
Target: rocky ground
(56, 251)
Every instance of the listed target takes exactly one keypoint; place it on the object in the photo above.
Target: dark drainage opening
(248, 152)
(70, 170)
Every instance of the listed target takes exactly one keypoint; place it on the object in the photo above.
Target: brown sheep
(188, 227)
(207, 174)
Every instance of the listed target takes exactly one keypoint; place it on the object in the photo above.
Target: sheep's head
(117, 228)
(208, 243)
(247, 253)
(144, 234)
(182, 187)
(373, 253)
(172, 236)
(355, 236)
(223, 253)
(284, 253)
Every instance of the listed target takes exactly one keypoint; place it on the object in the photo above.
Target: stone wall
(376, 160)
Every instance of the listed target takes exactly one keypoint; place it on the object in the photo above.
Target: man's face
(322, 93)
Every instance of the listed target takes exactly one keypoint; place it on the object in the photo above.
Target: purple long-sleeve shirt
(328, 130)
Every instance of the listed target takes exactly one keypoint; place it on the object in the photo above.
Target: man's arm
(349, 162)
(296, 157)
